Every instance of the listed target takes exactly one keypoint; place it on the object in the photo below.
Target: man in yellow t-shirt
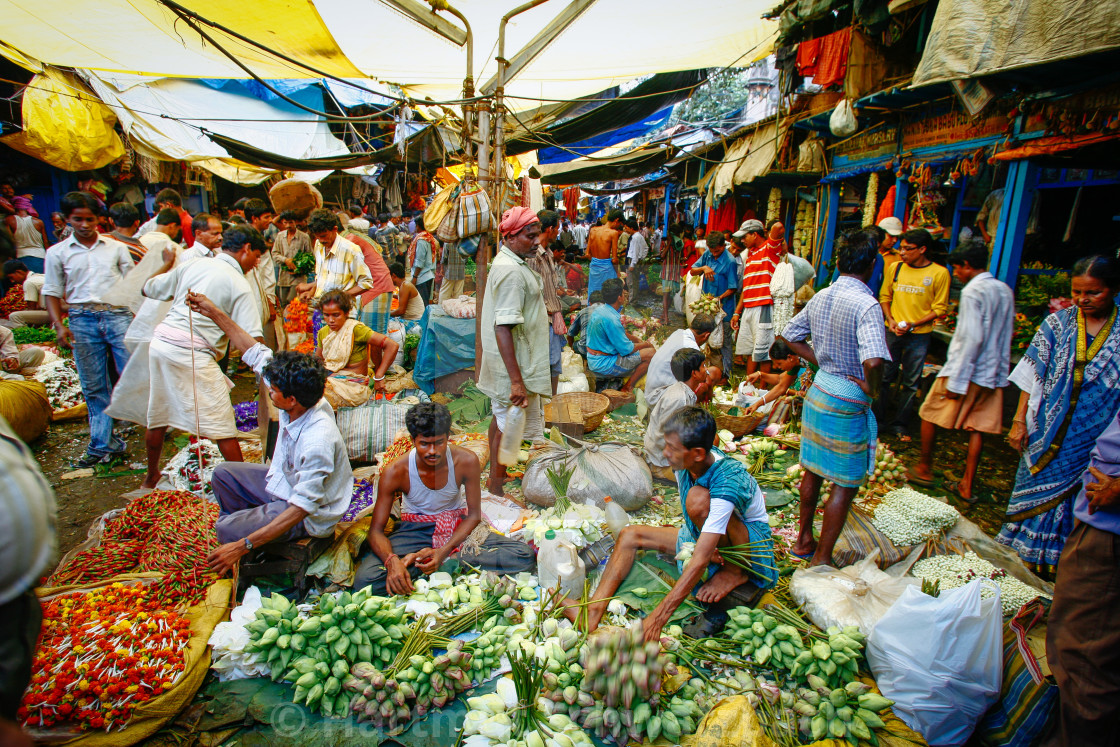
(915, 292)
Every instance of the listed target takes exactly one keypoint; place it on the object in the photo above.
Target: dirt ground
(82, 500)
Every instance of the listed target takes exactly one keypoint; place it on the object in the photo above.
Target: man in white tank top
(30, 234)
(441, 506)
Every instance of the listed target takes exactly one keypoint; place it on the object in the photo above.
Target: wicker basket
(592, 406)
(617, 398)
(738, 424)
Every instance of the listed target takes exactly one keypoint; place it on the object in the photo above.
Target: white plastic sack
(940, 660)
(843, 121)
(463, 307)
(577, 383)
(397, 334)
(857, 595)
(598, 470)
(572, 376)
(693, 289)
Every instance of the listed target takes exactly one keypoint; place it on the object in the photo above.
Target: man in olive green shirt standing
(515, 363)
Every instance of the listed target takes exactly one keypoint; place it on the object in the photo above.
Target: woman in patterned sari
(1070, 382)
(349, 349)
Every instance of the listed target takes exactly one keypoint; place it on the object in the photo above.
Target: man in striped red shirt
(753, 317)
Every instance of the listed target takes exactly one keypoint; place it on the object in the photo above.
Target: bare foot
(721, 584)
(497, 490)
(149, 484)
(921, 473)
(804, 549)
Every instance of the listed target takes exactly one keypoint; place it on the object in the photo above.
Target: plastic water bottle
(510, 446)
(548, 559)
(617, 518)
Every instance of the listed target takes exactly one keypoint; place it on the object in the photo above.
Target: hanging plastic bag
(941, 659)
(843, 121)
(438, 210)
(474, 216)
(857, 595)
(715, 341)
(598, 470)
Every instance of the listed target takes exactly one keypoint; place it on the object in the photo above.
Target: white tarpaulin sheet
(971, 38)
(611, 42)
(189, 106)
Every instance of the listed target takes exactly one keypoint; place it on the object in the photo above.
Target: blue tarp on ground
(446, 346)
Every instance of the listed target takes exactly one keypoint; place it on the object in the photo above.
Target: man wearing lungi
(180, 367)
(602, 246)
(722, 506)
(515, 369)
(838, 433)
(441, 506)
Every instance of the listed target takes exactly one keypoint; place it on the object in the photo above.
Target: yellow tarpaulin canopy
(376, 40)
(65, 125)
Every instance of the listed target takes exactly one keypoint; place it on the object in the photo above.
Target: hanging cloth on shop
(724, 217)
(571, 202)
(825, 58)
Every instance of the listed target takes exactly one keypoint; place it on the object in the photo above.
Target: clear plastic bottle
(510, 446)
(617, 518)
(571, 571)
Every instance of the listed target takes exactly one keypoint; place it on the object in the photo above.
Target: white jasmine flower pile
(579, 524)
(908, 517)
(954, 571)
(64, 390)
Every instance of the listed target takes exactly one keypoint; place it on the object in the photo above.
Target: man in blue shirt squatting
(722, 506)
(611, 350)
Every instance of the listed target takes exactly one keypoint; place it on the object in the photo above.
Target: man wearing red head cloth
(515, 369)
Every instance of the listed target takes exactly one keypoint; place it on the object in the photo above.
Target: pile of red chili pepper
(168, 531)
(100, 654)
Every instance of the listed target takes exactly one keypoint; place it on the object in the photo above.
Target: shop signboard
(874, 143)
(949, 129)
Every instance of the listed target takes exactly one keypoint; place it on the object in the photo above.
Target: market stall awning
(646, 99)
(627, 188)
(380, 42)
(574, 150)
(972, 38)
(1060, 144)
(747, 159)
(430, 144)
(628, 166)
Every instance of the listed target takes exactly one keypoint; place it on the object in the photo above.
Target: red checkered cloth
(446, 521)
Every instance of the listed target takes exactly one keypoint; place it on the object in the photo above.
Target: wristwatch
(248, 544)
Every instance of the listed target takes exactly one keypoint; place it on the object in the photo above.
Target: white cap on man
(891, 225)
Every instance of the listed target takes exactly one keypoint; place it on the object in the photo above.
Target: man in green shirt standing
(515, 365)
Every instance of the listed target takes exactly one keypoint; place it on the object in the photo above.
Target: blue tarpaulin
(586, 147)
(446, 346)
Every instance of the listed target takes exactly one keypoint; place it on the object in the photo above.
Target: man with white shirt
(185, 383)
(33, 314)
(207, 231)
(263, 277)
(968, 392)
(357, 221)
(166, 233)
(79, 269)
(688, 375)
(636, 251)
(660, 376)
(307, 487)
